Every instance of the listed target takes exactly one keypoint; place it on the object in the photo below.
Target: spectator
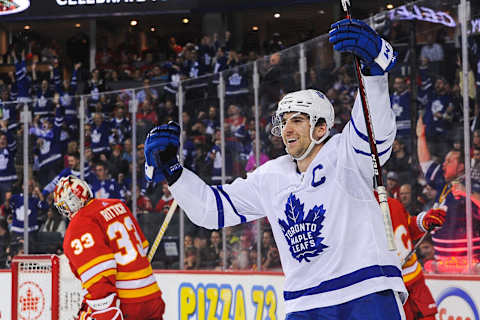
(4, 243)
(241, 260)
(127, 150)
(188, 241)
(10, 116)
(475, 162)
(54, 223)
(8, 174)
(430, 194)
(272, 262)
(120, 124)
(252, 161)
(426, 83)
(426, 251)
(438, 117)
(96, 85)
(214, 249)
(36, 203)
(393, 184)
(200, 244)
(400, 100)
(6, 211)
(212, 121)
(275, 148)
(43, 102)
(434, 53)
(48, 151)
(101, 136)
(73, 160)
(191, 258)
(453, 232)
(405, 195)
(165, 201)
(400, 161)
(147, 92)
(147, 115)
(144, 204)
(103, 186)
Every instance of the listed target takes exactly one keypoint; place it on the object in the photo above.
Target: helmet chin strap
(312, 144)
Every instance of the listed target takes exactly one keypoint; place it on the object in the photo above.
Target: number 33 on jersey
(107, 252)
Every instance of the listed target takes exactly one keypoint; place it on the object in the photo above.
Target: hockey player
(107, 252)
(326, 222)
(420, 304)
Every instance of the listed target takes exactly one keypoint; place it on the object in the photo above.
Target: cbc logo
(456, 304)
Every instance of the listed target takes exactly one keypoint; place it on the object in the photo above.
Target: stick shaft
(162, 230)
(377, 169)
(407, 257)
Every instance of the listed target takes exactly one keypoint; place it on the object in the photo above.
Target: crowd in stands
(54, 135)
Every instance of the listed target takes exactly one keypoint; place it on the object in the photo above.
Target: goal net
(43, 287)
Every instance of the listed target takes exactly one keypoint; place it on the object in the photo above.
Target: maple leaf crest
(303, 232)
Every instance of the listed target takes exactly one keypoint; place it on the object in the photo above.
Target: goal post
(43, 287)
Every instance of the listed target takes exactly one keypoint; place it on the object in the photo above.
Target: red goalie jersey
(107, 252)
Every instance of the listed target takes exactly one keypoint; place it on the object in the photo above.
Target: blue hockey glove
(355, 36)
(161, 147)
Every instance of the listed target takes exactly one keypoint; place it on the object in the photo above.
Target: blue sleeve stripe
(369, 153)
(221, 215)
(346, 280)
(242, 217)
(362, 136)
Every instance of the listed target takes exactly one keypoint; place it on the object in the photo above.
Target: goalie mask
(70, 195)
(310, 102)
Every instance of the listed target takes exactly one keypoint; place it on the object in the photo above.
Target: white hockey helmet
(70, 195)
(311, 102)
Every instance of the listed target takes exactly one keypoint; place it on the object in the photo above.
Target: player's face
(296, 133)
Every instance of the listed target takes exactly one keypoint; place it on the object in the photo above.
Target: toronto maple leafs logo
(303, 232)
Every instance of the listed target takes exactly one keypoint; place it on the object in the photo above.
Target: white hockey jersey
(326, 222)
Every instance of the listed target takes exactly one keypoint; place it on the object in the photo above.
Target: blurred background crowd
(427, 155)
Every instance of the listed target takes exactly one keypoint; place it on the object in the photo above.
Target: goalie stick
(162, 230)
(382, 192)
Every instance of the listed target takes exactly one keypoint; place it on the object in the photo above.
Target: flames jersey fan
(420, 303)
(108, 253)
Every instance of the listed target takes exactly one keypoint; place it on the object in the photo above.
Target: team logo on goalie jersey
(301, 231)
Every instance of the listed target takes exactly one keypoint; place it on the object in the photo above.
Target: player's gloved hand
(161, 147)
(355, 36)
(107, 308)
(433, 218)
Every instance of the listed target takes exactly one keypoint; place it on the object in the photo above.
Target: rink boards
(246, 295)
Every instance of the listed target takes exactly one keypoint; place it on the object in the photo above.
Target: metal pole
(256, 91)
(180, 102)
(302, 62)
(466, 130)
(81, 115)
(221, 96)
(134, 152)
(26, 180)
(93, 42)
(413, 90)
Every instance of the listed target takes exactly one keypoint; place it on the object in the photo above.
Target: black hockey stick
(377, 169)
(417, 244)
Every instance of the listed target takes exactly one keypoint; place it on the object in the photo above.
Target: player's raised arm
(377, 58)
(211, 207)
